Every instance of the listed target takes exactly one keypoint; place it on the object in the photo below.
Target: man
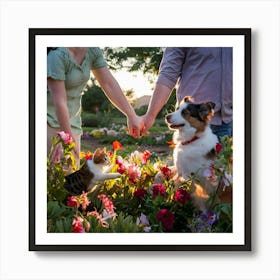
(205, 74)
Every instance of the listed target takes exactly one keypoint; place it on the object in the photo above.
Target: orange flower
(117, 145)
(171, 144)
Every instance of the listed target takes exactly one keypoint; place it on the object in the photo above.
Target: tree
(94, 99)
(132, 59)
(146, 60)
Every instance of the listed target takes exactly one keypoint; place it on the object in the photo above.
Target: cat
(91, 174)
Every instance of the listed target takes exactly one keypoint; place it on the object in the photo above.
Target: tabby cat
(92, 173)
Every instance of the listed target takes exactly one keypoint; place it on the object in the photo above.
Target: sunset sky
(136, 81)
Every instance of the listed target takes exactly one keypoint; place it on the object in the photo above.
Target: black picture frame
(33, 35)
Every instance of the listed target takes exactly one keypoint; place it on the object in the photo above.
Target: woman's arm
(58, 91)
(116, 96)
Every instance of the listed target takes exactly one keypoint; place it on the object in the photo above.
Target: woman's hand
(136, 126)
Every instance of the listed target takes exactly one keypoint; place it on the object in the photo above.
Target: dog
(195, 147)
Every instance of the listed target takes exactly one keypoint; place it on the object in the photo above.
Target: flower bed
(136, 202)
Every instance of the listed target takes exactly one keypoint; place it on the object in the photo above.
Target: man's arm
(159, 98)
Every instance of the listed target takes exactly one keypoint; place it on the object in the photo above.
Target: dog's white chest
(192, 158)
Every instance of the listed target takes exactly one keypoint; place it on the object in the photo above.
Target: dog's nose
(168, 117)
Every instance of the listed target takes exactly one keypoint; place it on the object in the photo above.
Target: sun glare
(135, 81)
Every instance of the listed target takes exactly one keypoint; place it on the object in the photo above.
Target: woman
(68, 71)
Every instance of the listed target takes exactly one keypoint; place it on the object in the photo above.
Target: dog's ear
(206, 111)
(188, 99)
(211, 104)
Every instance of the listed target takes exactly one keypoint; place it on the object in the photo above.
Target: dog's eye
(185, 111)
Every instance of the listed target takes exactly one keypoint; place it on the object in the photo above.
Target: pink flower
(140, 193)
(65, 137)
(73, 202)
(76, 201)
(133, 172)
(99, 218)
(77, 225)
(84, 200)
(122, 165)
(107, 204)
(166, 218)
(182, 196)
(57, 153)
(138, 157)
(158, 189)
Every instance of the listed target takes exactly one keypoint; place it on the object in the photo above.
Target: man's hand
(136, 126)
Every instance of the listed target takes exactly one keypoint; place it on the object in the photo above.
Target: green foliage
(60, 160)
(59, 217)
(123, 224)
(132, 59)
(94, 98)
(96, 120)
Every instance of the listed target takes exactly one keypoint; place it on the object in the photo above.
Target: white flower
(159, 138)
(143, 220)
(227, 179)
(207, 172)
(107, 216)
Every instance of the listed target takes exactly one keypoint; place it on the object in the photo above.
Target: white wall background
(16, 262)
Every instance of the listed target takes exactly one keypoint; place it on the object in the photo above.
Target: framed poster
(145, 207)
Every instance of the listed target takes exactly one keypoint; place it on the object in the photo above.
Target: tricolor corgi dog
(195, 144)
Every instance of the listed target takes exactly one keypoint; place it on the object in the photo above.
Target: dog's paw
(178, 180)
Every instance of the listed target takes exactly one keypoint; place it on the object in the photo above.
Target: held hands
(139, 125)
(135, 126)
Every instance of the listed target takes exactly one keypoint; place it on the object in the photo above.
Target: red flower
(140, 193)
(166, 171)
(218, 147)
(88, 155)
(166, 218)
(73, 202)
(182, 196)
(122, 165)
(65, 137)
(158, 189)
(77, 225)
(146, 156)
(117, 145)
